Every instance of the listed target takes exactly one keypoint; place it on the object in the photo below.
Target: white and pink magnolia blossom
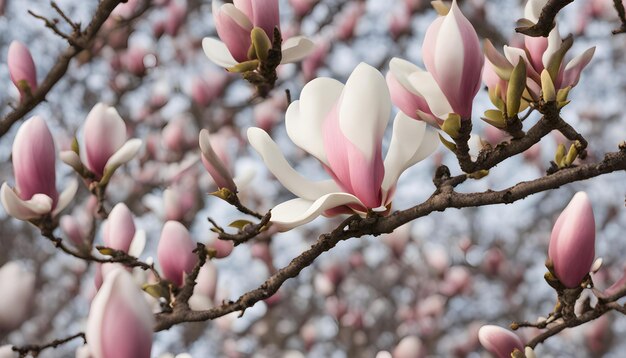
(22, 68)
(499, 341)
(106, 145)
(572, 243)
(18, 288)
(234, 23)
(175, 252)
(302, 7)
(120, 322)
(343, 127)
(214, 163)
(34, 158)
(454, 62)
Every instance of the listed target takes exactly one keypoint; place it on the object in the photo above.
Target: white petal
(66, 196)
(401, 70)
(244, 177)
(425, 84)
(450, 50)
(124, 154)
(365, 108)
(217, 52)
(237, 15)
(72, 159)
(305, 118)
(296, 48)
(411, 142)
(278, 165)
(513, 54)
(298, 212)
(138, 243)
(533, 8)
(37, 206)
(554, 44)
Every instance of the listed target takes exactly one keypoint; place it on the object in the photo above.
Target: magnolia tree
(312, 178)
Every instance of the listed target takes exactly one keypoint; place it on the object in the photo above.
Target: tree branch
(355, 226)
(546, 20)
(80, 41)
(35, 350)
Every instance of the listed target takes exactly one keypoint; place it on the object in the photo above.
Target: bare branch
(35, 350)
(546, 20)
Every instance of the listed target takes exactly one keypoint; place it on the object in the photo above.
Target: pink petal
(233, 30)
(266, 15)
(572, 71)
(104, 134)
(120, 320)
(21, 66)
(572, 243)
(536, 47)
(175, 252)
(499, 341)
(119, 229)
(34, 160)
(406, 101)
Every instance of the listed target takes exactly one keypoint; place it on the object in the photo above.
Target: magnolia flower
(18, 288)
(539, 54)
(343, 126)
(175, 252)
(120, 320)
(454, 62)
(204, 290)
(35, 193)
(572, 243)
(499, 341)
(234, 24)
(22, 68)
(105, 143)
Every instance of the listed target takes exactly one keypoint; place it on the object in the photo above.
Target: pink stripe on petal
(235, 37)
(266, 15)
(349, 166)
(34, 160)
(536, 46)
(406, 101)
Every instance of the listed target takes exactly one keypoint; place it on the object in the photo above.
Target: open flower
(120, 320)
(572, 243)
(454, 63)
(235, 23)
(106, 146)
(34, 158)
(343, 127)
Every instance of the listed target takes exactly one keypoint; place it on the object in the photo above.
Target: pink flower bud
(18, 287)
(316, 59)
(233, 27)
(120, 320)
(348, 19)
(223, 248)
(572, 243)
(34, 159)
(119, 229)
(137, 60)
(22, 68)
(175, 252)
(214, 165)
(105, 140)
(74, 231)
(204, 91)
(409, 347)
(499, 341)
(453, 56)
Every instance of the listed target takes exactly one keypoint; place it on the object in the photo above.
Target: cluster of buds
(251, 42)
(536, 73)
